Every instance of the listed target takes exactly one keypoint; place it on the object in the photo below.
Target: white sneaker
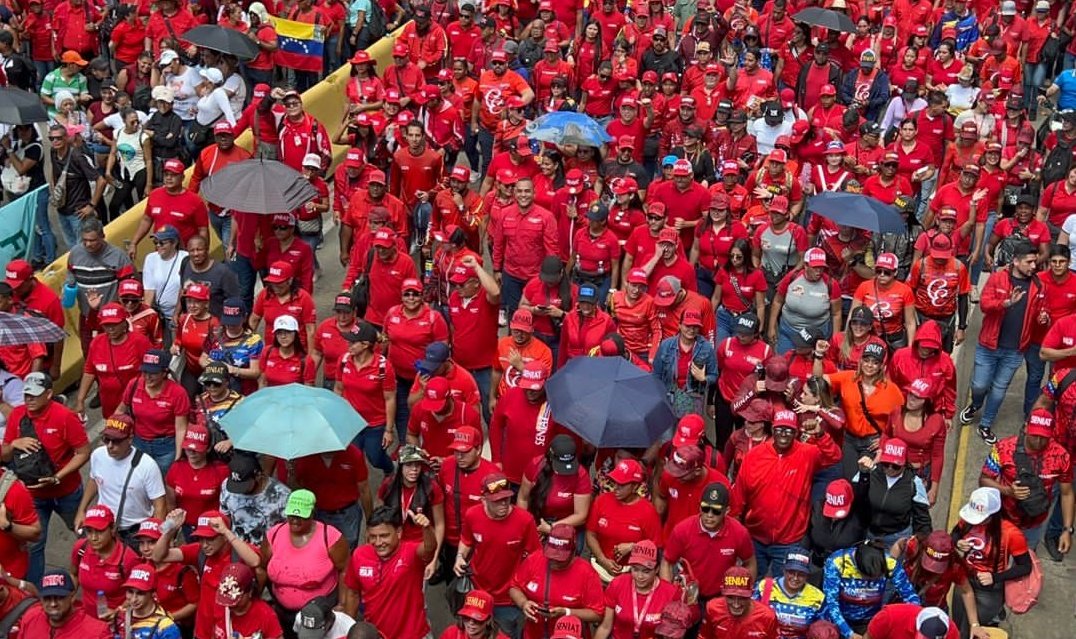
(502, 318)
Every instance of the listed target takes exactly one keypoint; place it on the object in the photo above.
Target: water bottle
(102, 605)
(70, 295)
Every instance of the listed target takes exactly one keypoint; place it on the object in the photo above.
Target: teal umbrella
(292, 421)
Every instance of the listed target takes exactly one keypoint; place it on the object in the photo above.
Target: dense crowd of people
(808, 364)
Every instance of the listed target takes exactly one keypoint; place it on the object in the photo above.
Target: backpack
(375, 21)
(21, 72)
(142, 98)
(1006, 248)
(1022, 594)
(1056, 165)
(1027, 473)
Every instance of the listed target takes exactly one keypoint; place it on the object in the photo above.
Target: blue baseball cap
(588, 293)
(437, 354)
(56, 583)
(798, 559)
(668, 160)
(167, 233)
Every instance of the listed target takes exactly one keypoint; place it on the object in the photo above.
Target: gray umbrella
(21, 107)
(258, 186)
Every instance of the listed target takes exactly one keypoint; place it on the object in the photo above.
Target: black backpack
(1006, 248)
(1056, 165)
(375, 21)
(1038, 502)
(21, 72)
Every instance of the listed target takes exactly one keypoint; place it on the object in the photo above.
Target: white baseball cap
(286, 323)
(982, 503)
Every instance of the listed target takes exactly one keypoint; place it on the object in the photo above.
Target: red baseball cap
(202, 527)
(196, 438)
(637, 276)
(737, 582)
(436, 396)
(411, 284)
(99, 517)
(197, 291)
(522, 320)
(827, 89)
(533, 376)
(893, 451)
(937, 549)
(689, 431)
(838, 499)
(560, 544)
(477, 605)
(466, 438)
(684, 460)
(814, 257)
(1040, 423)
(644, 553)
(279, 272)
(383, 238)
(150, 529)
(495, 487)
(666, 293)
(112, 313)
(887, 261)
(130, 287)
(174, 166)
(143, 577)
(627, 471)
(921, 387)
(353, 160)
(18, 271)
(461, 173)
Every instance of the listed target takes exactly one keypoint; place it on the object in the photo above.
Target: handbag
(31, 467)
(360, 290)
(58, 192)
(1022, 594)
(13, 182)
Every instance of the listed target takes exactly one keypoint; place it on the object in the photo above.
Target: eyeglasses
(499, 63)
(712, 510)
(130, 300)
(884, 271)
(56, 138)
(890, 466)
(208, 384)
(412, 294)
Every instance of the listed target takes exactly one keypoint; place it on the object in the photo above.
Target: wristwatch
(1068, 529)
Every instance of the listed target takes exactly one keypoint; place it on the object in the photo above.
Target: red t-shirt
(1058, 202)
(20, 510)
(636, 615)
(437, 434)
(888, 304)
(299, 305)
(560, 502)
(197, 489)
(391, 589)
(615, 522)
(336, 484)
(743, 300)
(155, 417)
(258, 620)
(951, 196)
(760, 622)
(365, 387)
(710, 556)
(185, 210)
(410, 336)
(114, 366)
(468, 485)
(577, 586)
(435, 496)
(330, 342)
(212, 567)
(474, 334)
(280, 370)
(498, 548)
(61, 432)
(177, 586)
(897, 621)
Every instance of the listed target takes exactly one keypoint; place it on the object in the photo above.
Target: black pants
(127, 194)
(725, 422)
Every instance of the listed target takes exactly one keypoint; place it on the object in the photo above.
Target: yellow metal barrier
(326, 101)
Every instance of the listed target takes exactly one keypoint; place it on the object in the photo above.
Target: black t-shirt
(221, 280)
(33, 151)
(81, 178)
(1013, 322)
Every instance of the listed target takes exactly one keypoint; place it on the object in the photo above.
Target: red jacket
(760, 622)
(772, 493)
(578, 336)
(995, 292)
(522, 240)
(906, 366)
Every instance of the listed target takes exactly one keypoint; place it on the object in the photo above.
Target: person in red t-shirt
(194, 481)
(436, 417)
(112, 360)
(642, 582)
(735, 614)
(244, 614)
(473, 308)
(367, 380)
(476, 618)
(393, 600)
(621, 519)
(174, 205)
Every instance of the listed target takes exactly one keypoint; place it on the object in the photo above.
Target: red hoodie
(906, 366)
(992, 302)
(772, 493)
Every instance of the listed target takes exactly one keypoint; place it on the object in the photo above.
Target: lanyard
(637, 614)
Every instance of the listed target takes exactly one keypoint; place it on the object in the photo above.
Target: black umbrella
(827, 18)
(258, 186)
(211, 36)
(21, 107)
(858, 211)
(609, 402)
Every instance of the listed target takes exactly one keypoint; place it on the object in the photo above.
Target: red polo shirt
(596, 255)
(20, 510)
(391, 589)
(498, 548)
(299, 305)
(897, 621)
(197, 489)
(710, 554)
(61, 432)
(386, 283)
(365, 387)
(682, 499)
(436, 434)
(615, 522)
(105, 574)
(463, 487)
(330, 342)
(410, 336)
(155, 417)
(626, 604)
(577, 586)
(474, 334)
(280, 370)
(760, 622)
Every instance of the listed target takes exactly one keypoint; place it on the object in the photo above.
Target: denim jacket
(667, 360)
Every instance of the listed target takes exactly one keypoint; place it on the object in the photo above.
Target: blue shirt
(1066, 99)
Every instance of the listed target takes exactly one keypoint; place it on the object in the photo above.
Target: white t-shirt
(10, 394)
(146, 484)
(163, 278)
(1069, 228)
(339, 629)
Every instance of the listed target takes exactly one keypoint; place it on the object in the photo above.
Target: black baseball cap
(562, 453)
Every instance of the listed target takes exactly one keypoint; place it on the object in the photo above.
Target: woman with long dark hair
(285, 361)
(547, 483)
(715, 237)
(994, 551)
(815, 406)
(921, 427)
(413, 488)
(847, 346)
(585, 53)
(739, 286)
(934, 568)
(475, 619)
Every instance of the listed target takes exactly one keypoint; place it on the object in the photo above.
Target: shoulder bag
(31, 468)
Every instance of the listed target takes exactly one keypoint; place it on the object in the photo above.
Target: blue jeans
(771, 558)
(1034, 74)
(403, 411)
(470, 147)
(71, 227)
(66, 507)
(511, 292)
(892, 538)
(994, 370)
(1056, 521)
(348, 521)
(510, 620)
(332, 58)
(482, 377)
(44, 240)
(161, 449)
(248, 276)
(222, 226)
(977, 268)
(1034, 535)
(1036, 370)
(369, 440)
(1070, 61)
(43, 67)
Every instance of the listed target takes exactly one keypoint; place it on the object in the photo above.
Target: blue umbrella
(609, 402)
(858, 211)
(292, 421)
(565, 127)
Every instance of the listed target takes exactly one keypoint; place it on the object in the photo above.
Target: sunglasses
(712, 510)
(56, 138)
(499, 63)
(282, 227)
(110, 441)
(161, 242)
(884, 271)
(860, 323)
(890, 466)
(655, 218)
(212, 384)
(412, 294)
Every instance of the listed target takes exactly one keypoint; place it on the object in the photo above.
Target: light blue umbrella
(565, 127)
(292, 421)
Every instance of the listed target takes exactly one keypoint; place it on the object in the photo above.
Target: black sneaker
(988, 435)
(1052, 550)
(967, 415)
(95, 402)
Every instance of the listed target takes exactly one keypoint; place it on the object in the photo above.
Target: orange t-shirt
(880, 403)
(532, 350)
(887, 304)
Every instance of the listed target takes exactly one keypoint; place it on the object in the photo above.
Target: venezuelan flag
(300, 45)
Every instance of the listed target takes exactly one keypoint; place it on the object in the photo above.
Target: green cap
(300, 504)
